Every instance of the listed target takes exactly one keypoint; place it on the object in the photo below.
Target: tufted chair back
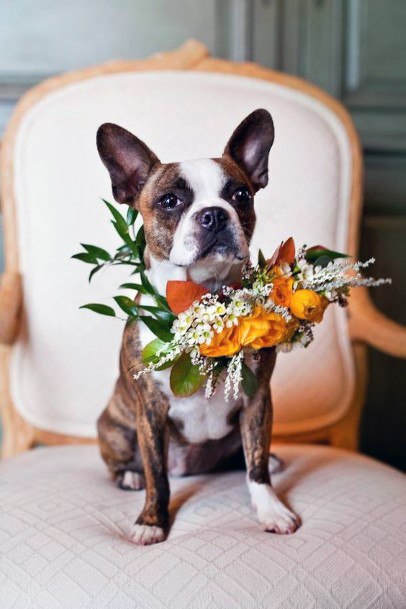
(64, 362)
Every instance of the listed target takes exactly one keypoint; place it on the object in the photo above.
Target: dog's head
(198, 212)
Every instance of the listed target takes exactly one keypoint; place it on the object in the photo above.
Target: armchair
(63, 524)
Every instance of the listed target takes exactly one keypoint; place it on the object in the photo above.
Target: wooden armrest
(10, 305)
(368, 325)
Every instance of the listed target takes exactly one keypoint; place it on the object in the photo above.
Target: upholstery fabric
(64, 529)
(65, 361)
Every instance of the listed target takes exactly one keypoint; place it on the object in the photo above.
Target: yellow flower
(308, 305)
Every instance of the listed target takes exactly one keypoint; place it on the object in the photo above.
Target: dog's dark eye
(242, 195)
(169, 201)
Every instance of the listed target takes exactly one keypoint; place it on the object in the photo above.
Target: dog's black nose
(213, 218)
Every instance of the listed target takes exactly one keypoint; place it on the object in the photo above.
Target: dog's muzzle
(210, 232)
(214, 231)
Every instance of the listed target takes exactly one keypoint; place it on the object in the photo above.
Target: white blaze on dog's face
(211, 226)
(197, 214)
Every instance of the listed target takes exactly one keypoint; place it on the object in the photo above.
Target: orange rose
(308, 305)
(282, 290)
(223, 344)
(261, 329)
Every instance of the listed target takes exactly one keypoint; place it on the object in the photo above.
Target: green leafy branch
(130, 252)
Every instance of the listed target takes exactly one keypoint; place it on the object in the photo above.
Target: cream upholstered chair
(63, 525)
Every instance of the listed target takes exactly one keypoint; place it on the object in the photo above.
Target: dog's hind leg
(119, 449)
(275, 464)
(130, 481)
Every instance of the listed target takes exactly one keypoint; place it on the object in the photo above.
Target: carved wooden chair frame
(366, 325)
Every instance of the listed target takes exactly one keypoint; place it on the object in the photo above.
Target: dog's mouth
(222, 247)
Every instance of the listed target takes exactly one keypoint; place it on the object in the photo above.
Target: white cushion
(63, 530)
(65, 362)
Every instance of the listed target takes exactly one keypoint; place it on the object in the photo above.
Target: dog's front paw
(272, 513)
(279, 519)
(146, 534)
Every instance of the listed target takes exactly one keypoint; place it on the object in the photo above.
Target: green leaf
(122, 233)
(123, 258)
(149, 351)
(149, 354)
(185, 378)
(131, 216)
(119, 220)
(131, 308)
(261, 260)
(158, 328)
(131, 244)
(97, 252)
(133, 286)
(165, 316)
(313, 253)
(127, 305)
(136, 269)
(99, 308)
(147, 285)
(323, 261)
(94, 271)
(128, 262)
(249, 381)
(162, 302)
(132, 248)
(140, 237)
(122, 250)
(85, 257)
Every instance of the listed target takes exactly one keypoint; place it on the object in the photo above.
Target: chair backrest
(65, 360)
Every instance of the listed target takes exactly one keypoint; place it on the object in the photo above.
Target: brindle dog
(198, 219)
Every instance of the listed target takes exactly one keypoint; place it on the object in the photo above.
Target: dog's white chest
(196, 417)
(200, 419)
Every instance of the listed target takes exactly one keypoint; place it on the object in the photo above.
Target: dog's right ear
(128, 160)
(250, 144)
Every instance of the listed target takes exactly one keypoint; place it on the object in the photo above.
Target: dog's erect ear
(250, 144)
(127, 159)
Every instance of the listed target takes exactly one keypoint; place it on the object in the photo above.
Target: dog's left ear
(128, 160)
(250, 144)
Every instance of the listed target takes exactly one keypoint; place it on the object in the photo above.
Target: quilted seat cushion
(64, 527)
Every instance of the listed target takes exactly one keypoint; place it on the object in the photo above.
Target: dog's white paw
(275, 465)
(272, 513)
(279, 519)
(130, 481)
(146, 535)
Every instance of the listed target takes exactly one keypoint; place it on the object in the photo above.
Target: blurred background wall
(354, 49)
